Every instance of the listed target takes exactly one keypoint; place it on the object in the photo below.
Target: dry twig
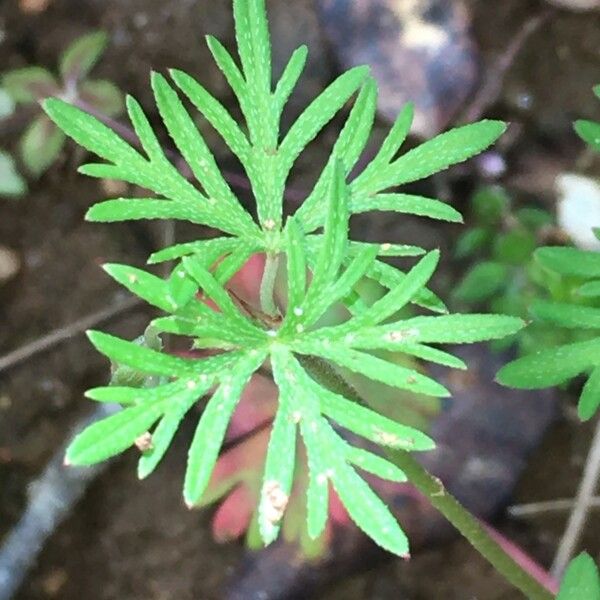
(583, 501)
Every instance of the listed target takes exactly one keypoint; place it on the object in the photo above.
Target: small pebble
(9, 264)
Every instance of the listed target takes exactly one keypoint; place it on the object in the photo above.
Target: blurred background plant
(42, 141)
(12, 185)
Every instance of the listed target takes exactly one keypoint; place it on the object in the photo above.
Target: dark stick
(64, 333)
(491, 87)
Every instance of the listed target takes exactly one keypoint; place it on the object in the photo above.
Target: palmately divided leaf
(324, 270)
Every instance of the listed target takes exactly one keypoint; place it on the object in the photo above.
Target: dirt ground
(129, 540)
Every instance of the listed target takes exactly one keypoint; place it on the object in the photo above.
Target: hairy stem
(433, 489)
(469, 526)
(267, 285)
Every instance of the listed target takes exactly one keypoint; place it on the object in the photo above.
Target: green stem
(469, 526)
(267, 285)
(433, 489)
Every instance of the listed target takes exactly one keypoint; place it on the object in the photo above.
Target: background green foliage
(581, 580)
(42, 141)
(573, 276)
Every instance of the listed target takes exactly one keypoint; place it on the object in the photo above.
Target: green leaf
(12, 184)
(344, 286)
(489, 205)
(581, 580)
(390, 277)
(141, 358)
(41, 144)
(393, 142)
(589, 132)
(220, 296)
(193, 148)
(182, 288)
(401, 295)
(79, 59)
(7, 104)
(368, 511)
(253, 41)
(566, 315)
(211, 249)
(30, 84)
(376, 465)
(534, 218)
(590, 396)
(547, 368)
(165, 431)
(407, 204)
(135, 209)
(88, 132)
(375, 368)
(471, 242)
(591, 289)
(281, 454)
(289, 78)
(335, 238)
(112, 435)
(296, 265)
(216, 114)
(447, 329)
(103, 95)
(319, 113)
(228, 67)
(317, 493)
(481, 282)
(347, 150)
(569, 261)
(210, 432)
(447, 149)
(363, 421)
(514, 247)
(150, 288)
